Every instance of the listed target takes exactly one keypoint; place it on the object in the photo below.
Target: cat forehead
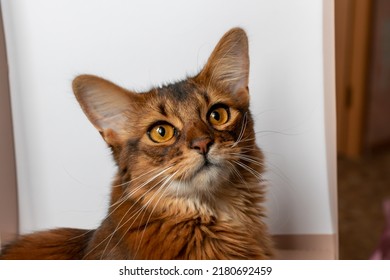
(182, 92)
(177, 98)
(187, 96)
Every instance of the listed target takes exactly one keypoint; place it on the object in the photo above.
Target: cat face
(191, 130)
(192, 133)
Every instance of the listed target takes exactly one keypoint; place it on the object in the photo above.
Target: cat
(189, 181)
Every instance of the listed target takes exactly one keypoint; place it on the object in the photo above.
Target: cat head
(191, 133)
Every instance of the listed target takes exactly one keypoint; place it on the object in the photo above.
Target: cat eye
(219, 116)
(161, 133)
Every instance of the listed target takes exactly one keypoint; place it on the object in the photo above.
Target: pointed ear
(106, 105)
(228, 65)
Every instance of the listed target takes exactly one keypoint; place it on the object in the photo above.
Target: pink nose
(202, 145)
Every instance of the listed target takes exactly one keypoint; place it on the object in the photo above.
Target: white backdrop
(64, 167)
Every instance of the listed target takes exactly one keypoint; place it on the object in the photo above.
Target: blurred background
(363, 122)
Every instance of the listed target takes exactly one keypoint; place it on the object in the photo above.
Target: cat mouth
(205, 167)
(205, 176)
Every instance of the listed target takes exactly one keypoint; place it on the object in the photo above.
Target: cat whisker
(242, 131)
(128, 195)
(255, 173)
(125, 196)
(277, 171)
(250, 159)
(124, 200)
(245, 150)
(269, 166)
(239, 175)
(168, 182)
(121, 200)
(136, 178)
(270, 132)
(136, 215)
(120, 224)
(81, 235)
(246, 139)
(234, 170)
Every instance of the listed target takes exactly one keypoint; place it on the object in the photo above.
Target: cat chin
(203, 183)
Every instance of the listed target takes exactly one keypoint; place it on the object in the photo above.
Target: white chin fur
(204, 182)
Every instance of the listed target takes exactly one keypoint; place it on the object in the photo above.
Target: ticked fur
(195, 195)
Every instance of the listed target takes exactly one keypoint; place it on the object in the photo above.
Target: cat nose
(202, 145)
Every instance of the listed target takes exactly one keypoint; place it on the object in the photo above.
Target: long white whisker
(236, 172)
(243, 128)
(136, 178)
(125, 199)
(251, 170)
(125, 196)
(128, 195)
(143, 184)
(250, 159)
(119, 226)
(137, 213)
(168, 180)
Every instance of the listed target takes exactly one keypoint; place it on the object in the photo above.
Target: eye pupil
(216, 116)
(161, 131)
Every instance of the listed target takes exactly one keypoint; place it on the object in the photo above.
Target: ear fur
(105, 104)
(228, 65)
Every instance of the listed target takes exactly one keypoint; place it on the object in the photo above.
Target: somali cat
(188, 184)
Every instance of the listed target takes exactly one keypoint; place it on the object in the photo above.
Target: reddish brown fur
(58, 244)
(183, 212)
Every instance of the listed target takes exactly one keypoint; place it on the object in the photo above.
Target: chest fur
(193, 239)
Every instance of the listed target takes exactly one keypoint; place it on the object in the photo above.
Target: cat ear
(228, 65)
(105, 104)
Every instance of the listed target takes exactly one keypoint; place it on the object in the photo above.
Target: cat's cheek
(152, 154)
(223, 146)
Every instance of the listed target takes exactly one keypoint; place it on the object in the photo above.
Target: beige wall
(8, 192)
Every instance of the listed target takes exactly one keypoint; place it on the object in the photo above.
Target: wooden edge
(358, 76)
(343, 24)
(306, 247)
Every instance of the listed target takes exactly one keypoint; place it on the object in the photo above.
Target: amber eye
(219, 116)
(161, 133)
